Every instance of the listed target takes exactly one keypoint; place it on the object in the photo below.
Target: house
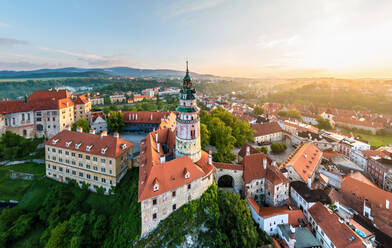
(268, 218)
(82, 107)
(144, 121)
(361, 123)
(87, 158)
(303, 163)
(267, 132)
(262, 178)
(245, 150)
(43, 114)
(117, 98)
(304, 197)
(97, 100)
(2, 124)
(330, 230)
(97, 121)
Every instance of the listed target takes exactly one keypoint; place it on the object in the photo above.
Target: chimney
(274, 163)
(116, 135)
(247, 151)
(79, 129)
(135, 116)
(210, 158)
(387, 204)
(265, 163)
(92, 131)
(156, 137)
(151, 116)
(129, 116)
(163, 159)
(158, 148)
(309, 183)
(68, 127)
(104, 133)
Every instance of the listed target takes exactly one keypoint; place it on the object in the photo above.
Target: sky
(247, 38)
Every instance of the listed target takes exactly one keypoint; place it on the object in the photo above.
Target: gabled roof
(304, 160)
(95, 115)
(112, 144)
(266, 128)
(144, 117)
(339, 233)
(253, 169)
(47, 94)
(81, 100)
(242, 151)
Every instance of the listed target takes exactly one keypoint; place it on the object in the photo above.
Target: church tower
(188, 122)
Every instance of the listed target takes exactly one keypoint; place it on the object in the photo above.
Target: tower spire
(187, 69)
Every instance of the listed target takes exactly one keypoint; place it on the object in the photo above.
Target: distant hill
(94, 72)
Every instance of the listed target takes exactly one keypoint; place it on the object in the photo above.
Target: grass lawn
(14, 189)
(375, 140)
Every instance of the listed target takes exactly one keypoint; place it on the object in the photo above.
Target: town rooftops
(339, 233)
(171, 174)
(266, 128)
(355, 184)
(95, 115)
(267, 212)
(304, 160)
(227, 166)
(101, 145)
(49, 94)
(82, 99)
(254, 169)
(360, 122)
(309, 195)
(302, 235)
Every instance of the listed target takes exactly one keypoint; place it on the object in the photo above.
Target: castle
(173, 169)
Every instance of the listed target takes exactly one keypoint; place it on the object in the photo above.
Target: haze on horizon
(255, 38)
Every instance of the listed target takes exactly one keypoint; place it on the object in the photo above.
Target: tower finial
(187, 69)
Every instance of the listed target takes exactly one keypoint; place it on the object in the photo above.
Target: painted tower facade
(188, 122)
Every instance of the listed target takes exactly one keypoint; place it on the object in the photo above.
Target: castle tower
(188, 122)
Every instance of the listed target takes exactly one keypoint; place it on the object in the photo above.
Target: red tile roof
(338, 233)
(266, 128)
(169, 174)
(228, 166)
(352, 121)
(112, 144)
(358, 185)
(327, 154)
(304, 160)
(47, 94)
(253, 169)
(95, 115)
(252, 150)
(81, 100)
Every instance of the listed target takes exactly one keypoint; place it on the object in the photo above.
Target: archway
(226, 181)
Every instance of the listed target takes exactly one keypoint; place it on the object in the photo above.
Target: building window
(95, 168)
(154, 216)
(154, 202)
(189, 186)
(80, 174)
(73, 154)
(103, 160)
(60, 168)
(74, 172)
(103, 170)
(48, 166)
(174, 207)
(174, 193)
(67, 153)
(103, 180)
(95, 178)
(80, 155)
(87, 157)
(110, 171)
(95, 159)
(66, 170)
(80, 165)
(87, 166)
(88, 176)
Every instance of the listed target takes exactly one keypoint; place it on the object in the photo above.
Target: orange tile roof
(373, 153)
(47, 94)
(169, 174)
(338, 233)
(81, 100)
(304, 160)
(95, 115)
(112, 144)
(365, 123)
(266, 128)
(358, 185)
(252, 150)
(327, 154)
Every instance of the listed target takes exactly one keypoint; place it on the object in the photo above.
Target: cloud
(3, 25)
(265, 42)
(91, 59)
(4, 41)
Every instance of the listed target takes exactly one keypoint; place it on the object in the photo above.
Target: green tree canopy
(323, 124)
(278, 147)
(292, 113)
(257, 110)
(83, 123)
(115, 121)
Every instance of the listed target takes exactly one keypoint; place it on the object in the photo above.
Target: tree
(323, 124)
(292, 113)
(278, 147)
(115, 121)
(263, 149)
(242, 132)
(204, 136)
(57, 236)
(83, 123)
(257, 110)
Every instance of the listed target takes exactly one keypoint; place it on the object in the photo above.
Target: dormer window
(103, 150)
(88, 148)
(55, 141)
(68, 143)
(156, 184)
(187, 175)
(123, 146)
(77, 146)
